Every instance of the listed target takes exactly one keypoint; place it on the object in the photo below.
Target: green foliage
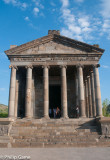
(3, 111)
(106, 108)
(3, 115)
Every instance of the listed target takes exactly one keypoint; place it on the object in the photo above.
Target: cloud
(77, 27)
(2, 89)
(65, 3)
(105, 66)
(26, 19)
(16, 3)
(38, 4)
(36, 11)
(52, 4)
(79, 1)
(105, 12)
(105, 8)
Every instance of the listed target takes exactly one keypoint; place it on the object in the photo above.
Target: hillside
(3, 108)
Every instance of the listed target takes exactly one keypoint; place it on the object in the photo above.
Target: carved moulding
(55, 59)
(13, 66)
(29, 66)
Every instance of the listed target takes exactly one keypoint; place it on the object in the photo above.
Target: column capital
(13, 66)
(29, 66)
(46, 66)
(96, 65)
(63, 66)
(79, 65)
(88, 77)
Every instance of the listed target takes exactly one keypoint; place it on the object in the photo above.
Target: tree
(106, 108)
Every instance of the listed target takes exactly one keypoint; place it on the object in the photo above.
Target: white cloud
(16, 3)
(2, 89)
(105, 12)
(79, 1)
(83, 22)
(105, 8)
(65, 3)
(38, 4)
(36, 11)
(105, 66)
(76, 26)
(26, 19)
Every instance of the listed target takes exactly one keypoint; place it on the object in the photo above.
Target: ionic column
(86, 98)
(97, 92)
(64, 92)
(11, 112)
(89, 96)
(81, 91)
(93, 94)
(76, 83)
(46, 91)
(28, 92)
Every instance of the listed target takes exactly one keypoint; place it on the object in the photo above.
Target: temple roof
(55, 36)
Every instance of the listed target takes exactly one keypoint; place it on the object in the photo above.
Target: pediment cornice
(57, 38)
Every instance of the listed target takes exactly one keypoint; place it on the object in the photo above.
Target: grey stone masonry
(97, 92)
(46, 91)
(93, 94)
(81, 91)
(64, 92)
(89, 96)
(12, 91)
(28, 92)
(86, 98)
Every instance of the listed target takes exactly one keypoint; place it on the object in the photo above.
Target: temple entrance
(54, 101)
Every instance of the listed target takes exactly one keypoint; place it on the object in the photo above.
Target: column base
(100, 116)
(27, 117)
(65, 117)
(46, 117)
(82, 117)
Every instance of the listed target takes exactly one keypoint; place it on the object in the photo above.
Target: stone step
(64, 133)
(53, 140)
(56, 136)
(4, 141)
(4, 138)
(59, 144)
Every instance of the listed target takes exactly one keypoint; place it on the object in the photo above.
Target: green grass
(3, 111)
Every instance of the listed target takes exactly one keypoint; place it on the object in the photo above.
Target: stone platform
(30, 133)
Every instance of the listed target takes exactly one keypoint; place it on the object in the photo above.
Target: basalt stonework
(50, 73)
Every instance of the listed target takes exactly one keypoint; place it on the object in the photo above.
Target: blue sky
(25, 20)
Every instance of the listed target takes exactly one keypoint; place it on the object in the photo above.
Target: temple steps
(56, 133)
(53, 133)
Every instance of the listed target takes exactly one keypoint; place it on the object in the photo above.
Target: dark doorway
(54, 100)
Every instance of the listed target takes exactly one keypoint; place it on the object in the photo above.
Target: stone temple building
(54, 71)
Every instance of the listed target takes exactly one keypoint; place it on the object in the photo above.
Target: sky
(24, 20)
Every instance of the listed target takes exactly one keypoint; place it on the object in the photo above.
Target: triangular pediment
(53, 44)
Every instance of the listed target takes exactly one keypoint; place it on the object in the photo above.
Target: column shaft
(97, 92)
(12, 92)
(86, 97)
(46, 91)
(93, 94)
(89, 97)
(16, 98)
(28, 92)
(64, 92)
(76, 83)
(81, 91)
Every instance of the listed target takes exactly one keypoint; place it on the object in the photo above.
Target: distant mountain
(3, 108)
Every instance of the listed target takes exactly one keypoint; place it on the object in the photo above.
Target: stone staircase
(55, 133)
(51, 133)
